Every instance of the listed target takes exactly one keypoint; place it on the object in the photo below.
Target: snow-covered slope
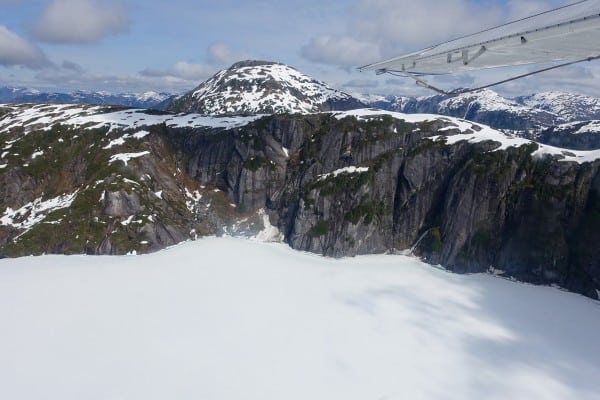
(568, 106)
(261, 87)
(44, 116)
(229, 319)
(460, 129)
(528, 115)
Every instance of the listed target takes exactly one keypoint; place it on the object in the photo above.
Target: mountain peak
(262, 87)
(252, 63)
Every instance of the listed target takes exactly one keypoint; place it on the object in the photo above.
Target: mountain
(570, 107)
(527, 115)
(106, 180)
(141, 100)
(262, 87)
(574, 135)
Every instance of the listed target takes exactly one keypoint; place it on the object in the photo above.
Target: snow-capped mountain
(262, 87)
(568, 106)
(527, 115)
(150, 99)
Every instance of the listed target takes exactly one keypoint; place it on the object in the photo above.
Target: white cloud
(16, 51)
(182, 70)
(361, 84)
(80, 21)
(409, 24)
(340, 50)
(519, 9)
(220, 54)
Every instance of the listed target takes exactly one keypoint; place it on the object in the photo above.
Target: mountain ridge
(525, 115)
(148, 99)
(102, 180)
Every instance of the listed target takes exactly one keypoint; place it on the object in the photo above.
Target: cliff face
(338, 184)
(474, 209)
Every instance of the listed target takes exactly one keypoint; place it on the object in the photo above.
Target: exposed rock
(576, 136)
(334, 184)
(120, 204)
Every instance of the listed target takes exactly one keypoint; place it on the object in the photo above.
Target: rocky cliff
(460, 194)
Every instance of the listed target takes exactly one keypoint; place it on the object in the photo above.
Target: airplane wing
(571, 32)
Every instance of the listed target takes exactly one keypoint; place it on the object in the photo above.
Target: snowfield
(237, 319)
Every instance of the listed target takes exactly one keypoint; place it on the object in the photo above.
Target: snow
(3, 166)
(270, 233)
(346, 170)
(569, 106)
(590, 127)
(476, 133)
(37, 154)
(34, 212)
(235, 319)
(487, 100)
(121, 140)
(252, 89)
(125, 157)
(44, 116)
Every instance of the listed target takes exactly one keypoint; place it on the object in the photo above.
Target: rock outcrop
(473, 208)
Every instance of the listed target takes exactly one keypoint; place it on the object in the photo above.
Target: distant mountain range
(529, 115)
(149, 99)
(263, 87)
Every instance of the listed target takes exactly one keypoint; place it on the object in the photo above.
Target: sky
(140, 45)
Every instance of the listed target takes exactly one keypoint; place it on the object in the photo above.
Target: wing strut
(422, 83)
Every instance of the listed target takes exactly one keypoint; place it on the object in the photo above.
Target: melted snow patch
(193, 200)
(34, 212)
(121, 140)
(37, 154)
(125, 157)
(346, 170)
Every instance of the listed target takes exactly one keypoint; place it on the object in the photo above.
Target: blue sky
(135, 45)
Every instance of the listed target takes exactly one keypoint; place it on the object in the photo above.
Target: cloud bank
(80, 21)
(16, 51)
(218, 55)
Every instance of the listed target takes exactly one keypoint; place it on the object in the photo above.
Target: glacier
(226, 318)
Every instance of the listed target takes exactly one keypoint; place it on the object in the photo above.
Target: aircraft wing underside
(568, 33)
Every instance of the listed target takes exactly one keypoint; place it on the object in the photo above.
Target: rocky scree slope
(108, 181)
(262, 87)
